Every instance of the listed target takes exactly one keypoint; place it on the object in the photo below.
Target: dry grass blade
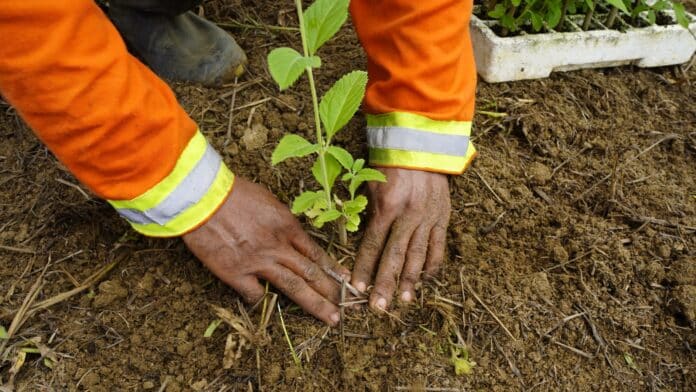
(23, 312)
(495, 317)
(17, 250)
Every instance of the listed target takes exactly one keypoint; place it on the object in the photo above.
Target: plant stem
(315, 104)
(612, 17)
(588, 19)
(293, 353)
(564, 11)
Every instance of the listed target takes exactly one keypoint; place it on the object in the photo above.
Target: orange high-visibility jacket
(120, 130)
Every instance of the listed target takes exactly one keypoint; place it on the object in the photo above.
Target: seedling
(318, 24)
(545, 15)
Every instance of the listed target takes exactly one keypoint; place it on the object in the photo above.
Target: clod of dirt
(683, 272)
(146, 285)
(466, 244)
(538, 283)
(199, 385)
(652, 272)
(147, 385)
(291, 373)
(539, 173)
(683, 302)
(232, 149)
(255, 137)
(91, 381)
(109, 292)
(560, 255)
(664, 251)
(272, 374)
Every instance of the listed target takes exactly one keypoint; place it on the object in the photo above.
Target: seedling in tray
(318, 24)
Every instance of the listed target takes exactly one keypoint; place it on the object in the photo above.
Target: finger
(436, 249)
(312, 273)
(304, 244)
(415, 259)
(391, 263)
(370, 250)
(249, 288)
(299, 291)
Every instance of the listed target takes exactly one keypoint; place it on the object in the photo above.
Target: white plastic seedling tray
(534, 56)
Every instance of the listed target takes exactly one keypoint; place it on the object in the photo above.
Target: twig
(234, 24)
(341, 280)
(473, 293)
(295, 358)
(74, 186)
(488, 228)
(341, 307)
(489, 187)
(573, 349)
(18, 250)
(230, 116)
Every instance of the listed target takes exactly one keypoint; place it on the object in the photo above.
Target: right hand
(254, 236)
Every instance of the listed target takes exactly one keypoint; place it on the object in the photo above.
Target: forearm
(107, 117)
(422, 82)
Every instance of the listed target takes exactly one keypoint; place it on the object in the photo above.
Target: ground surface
(575, 227)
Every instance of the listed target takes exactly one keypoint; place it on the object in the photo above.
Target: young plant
(318, 24)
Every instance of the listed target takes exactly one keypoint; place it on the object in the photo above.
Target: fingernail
(406, 296)
(381, 303)
(335, 317)
(360, 286)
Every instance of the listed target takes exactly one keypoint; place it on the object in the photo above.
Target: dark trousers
(167, 7)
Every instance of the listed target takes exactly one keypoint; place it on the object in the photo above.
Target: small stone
(109, 292)
(199, 385)
(467, 243)
(540, 174)
(255, 137)
(148, 385)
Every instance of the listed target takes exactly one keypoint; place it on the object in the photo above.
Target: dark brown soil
(575, 227)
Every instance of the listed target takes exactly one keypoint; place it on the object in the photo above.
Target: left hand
(406, 234)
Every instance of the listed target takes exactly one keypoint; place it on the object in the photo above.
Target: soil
(573, 231)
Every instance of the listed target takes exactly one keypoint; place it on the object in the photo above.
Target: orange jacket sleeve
(106, 116)
(422, 82)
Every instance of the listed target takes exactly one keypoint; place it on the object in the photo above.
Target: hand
(406, 235)
(254, 236)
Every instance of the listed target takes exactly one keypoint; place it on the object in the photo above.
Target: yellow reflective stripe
(422, 160)
(189, 158)
(192, 217)
(416, 121)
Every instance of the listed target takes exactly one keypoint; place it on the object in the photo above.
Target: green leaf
(661, 5)
(3, 332)
(211, 328)
(347, 176)
(459, 358)
(553, 17)
(322, 20)
(355, 206)
(537, 21)
(651, 17)
(680, 14)
(359, 163)
(363, 175)
(497, 12)
(619, 4)
(352, 222)
(590, 4)
(340, 103)
(516, 3)
(305, 201)
(333, 169)
(343, 156)
(286, 65)
(292, 146)
(319, 207)
(327, 216)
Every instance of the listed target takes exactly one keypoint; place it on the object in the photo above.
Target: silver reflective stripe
(189, 191)
(400, 138)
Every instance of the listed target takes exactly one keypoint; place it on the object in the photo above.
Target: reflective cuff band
(187, 197)
(412, 141)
